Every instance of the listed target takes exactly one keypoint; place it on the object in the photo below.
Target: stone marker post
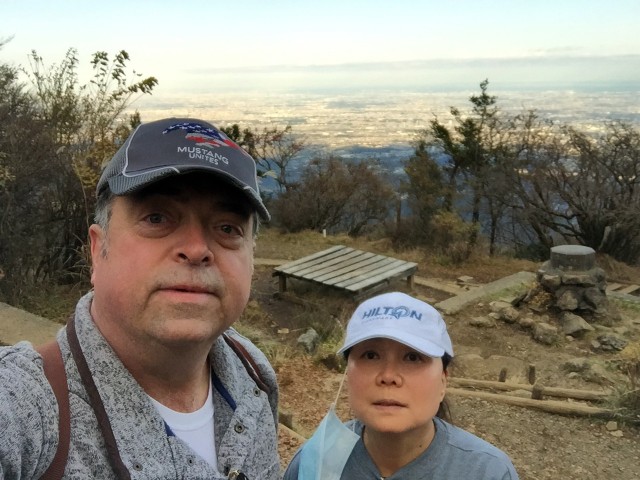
(574, 280)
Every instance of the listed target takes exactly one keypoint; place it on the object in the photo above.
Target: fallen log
(590, 395)
(551, 406)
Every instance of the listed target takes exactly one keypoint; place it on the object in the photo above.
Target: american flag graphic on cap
(202, 135)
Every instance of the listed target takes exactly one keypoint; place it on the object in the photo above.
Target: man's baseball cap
(174, 146)
(402, 318)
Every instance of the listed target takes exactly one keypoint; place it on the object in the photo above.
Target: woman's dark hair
(444, 412)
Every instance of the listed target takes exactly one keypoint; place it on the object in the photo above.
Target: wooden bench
(344, 268)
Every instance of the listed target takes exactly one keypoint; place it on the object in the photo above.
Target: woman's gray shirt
(454, 454)
(246, 437)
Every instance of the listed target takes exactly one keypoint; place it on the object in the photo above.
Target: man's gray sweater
(245, 416)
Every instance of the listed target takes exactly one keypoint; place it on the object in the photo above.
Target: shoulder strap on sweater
(248, 362)
(119, 468)
(54, 371)
(57, 377)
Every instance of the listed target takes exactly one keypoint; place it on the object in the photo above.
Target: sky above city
(288, 45)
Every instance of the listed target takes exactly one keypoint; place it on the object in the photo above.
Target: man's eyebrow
(237, 204)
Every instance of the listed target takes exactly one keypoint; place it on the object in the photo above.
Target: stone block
(572, 257)
(567, 299)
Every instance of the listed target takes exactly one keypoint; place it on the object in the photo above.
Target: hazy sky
(286, 44)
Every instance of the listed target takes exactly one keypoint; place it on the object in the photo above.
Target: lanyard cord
(335, 402)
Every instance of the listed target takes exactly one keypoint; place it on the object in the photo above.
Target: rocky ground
(487, 344)
(542, 445)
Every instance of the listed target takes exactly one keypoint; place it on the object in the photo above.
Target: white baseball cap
(402, 318)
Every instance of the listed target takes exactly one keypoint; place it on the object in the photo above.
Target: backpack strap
(57, 377)
(248, 362)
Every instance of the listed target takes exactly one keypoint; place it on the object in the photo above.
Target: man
(172, 256)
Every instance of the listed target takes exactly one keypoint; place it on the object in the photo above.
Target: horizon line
(450, 62)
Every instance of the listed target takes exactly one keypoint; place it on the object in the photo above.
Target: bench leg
(282, 283)
(410, 282)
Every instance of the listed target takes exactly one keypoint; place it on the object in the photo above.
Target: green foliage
(425, 193)
(272, 149)
(471, 148)
(449, 234)
(601, 187)
(524, 181)
(578, 187)
(54, 302)
(54, 140)
(87, 118)
(626, 399)
(631, 307)
(335, 195)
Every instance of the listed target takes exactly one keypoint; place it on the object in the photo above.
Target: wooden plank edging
(590, 395)
(551, 406)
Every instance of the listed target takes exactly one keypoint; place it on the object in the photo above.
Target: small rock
(545, 333)
(498, 305)
(574, 325)
(617, 433)
(567, 300)
(611, 343)
(526, 322)
(505, 311)
(482, 322)
(309, 340)
(538, 308)
(576, 365)
(611, 426)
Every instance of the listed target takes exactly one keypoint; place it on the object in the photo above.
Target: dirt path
(17, 325)
(543, 446)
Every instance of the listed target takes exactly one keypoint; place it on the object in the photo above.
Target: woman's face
(392, 387)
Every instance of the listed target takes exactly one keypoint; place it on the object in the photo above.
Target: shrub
(629, 400)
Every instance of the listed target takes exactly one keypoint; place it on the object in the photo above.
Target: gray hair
(102, 215)
(103, 210)
(104, 205)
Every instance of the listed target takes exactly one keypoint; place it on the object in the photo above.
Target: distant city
(380, 125)
(382, 119)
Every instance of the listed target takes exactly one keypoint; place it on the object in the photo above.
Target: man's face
(175, 265)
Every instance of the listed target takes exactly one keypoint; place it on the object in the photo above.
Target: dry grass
(56, 303)
(290, 246)
(482, 267)
(617, 270)
(276, 245)
(625, 399)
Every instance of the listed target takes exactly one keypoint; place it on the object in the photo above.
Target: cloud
(544, 71)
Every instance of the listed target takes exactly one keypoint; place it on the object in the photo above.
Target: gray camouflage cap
(173, 146)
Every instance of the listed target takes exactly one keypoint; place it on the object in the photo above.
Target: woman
(397, 350)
